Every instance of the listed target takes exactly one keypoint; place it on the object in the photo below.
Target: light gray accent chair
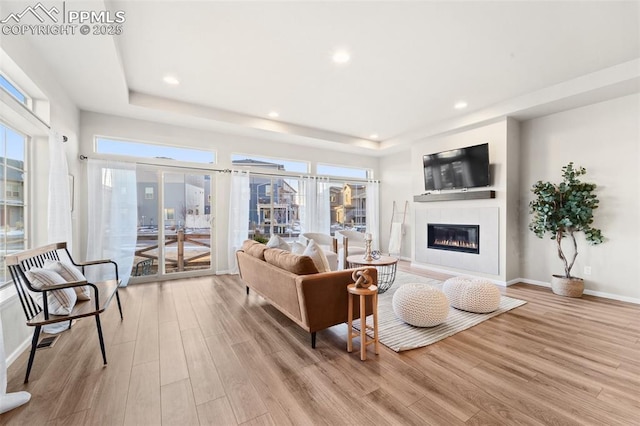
(327, 243)
(349, 243)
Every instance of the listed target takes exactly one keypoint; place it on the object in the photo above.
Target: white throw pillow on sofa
(297, 248)
(277, 242)
(316, 254)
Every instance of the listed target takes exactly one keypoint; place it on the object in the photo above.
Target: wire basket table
(386, 266)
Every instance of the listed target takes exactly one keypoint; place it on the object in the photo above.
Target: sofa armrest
(324, 298)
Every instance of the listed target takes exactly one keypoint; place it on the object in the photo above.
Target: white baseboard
(18, 351)
(586, 291)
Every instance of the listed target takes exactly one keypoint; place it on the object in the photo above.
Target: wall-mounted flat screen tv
(457, 168)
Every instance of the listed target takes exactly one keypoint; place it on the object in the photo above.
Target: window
(12, 90)
(276, 164)
(274, 207)
(341, 171)
(348, 206)
(12, 205)
(148, 150)
(148, 193)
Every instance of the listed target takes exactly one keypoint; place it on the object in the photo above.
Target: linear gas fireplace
(452, 237)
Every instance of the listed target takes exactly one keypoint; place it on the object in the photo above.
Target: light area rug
(400, 336)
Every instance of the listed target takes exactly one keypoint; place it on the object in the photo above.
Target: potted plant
(563, 210)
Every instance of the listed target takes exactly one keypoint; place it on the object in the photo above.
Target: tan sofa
(293, 285)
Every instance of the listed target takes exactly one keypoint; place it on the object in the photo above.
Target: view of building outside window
(274, 208)
(12, 195)
(348, 205)
(276, 202)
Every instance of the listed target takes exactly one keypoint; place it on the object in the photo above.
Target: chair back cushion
(355, 237)
(60, 302)
(70, 273)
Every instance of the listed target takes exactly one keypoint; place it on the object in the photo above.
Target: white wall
(64, 118)
(604, 138)
(118, 127)
(396, 185)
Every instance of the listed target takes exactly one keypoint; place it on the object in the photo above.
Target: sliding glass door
(174, 223)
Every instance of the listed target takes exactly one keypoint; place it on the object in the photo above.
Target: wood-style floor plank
(173, 364)
(216, 412)
(178, 405)
(202, 371)
(143, 399)
(200, 351)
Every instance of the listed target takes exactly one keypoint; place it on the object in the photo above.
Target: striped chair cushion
(60, 302)
(70, 273)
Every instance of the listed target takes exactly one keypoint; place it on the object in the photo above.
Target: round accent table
(362, 293)
(386, 266)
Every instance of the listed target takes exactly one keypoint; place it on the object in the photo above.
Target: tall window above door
(274, 164)
(149, 150)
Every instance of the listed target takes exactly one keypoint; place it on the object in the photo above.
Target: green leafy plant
(261, 239)
(564, 209)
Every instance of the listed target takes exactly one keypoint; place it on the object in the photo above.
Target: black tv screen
(457, 168)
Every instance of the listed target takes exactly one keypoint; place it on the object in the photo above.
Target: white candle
(368, 236)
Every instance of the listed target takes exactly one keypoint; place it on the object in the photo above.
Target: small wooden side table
(362, 293)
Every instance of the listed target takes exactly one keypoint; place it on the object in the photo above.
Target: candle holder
(367, 248)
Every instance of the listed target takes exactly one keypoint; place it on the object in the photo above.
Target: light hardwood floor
(199, 351)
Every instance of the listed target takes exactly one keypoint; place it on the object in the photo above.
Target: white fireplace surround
(487, 261)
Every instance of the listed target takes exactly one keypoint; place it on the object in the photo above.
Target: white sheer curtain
(323, 206)
(239, 198)
(8, 401)
(113, 212)
(373, 212)
(59, 206)
(308, 187)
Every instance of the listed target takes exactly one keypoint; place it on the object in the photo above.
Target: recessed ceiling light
(460, 105)
(374, 136)
(341, 56)
(170, 79)
(274, 114)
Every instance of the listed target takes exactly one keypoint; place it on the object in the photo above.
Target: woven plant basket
(569, 287)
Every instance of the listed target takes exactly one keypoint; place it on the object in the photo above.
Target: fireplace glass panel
(453, 237)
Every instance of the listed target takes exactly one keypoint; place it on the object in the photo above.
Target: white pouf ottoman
(472, 294)
(420, 305)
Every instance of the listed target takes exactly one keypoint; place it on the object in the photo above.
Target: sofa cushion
(294, 263)
(254, 248)
(277, 242)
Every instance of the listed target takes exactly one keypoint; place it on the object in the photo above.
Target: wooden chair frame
(102, 293)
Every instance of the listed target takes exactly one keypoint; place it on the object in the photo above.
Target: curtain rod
(284, 175)
(37, 117)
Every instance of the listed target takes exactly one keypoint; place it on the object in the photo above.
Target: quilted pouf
(420, 305)
(472, 295)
